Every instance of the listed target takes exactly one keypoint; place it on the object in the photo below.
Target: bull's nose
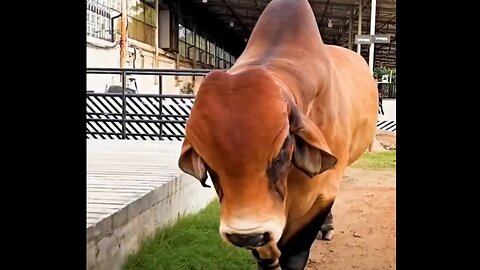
(248, 240)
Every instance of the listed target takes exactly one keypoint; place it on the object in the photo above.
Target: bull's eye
(277, 166)
(281, 158)
(278, 160)
(277, 171)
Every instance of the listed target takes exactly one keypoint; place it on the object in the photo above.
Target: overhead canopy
(333, 18)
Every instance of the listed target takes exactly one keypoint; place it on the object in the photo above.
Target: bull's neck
(302, 82)
(287, 89)
(302, 88)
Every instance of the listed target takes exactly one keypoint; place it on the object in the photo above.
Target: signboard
(381, 39)
(369, 39)
(385, 78)
(363, 39)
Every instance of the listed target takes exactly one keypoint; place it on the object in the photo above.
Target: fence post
(124, 105)
(160, 92)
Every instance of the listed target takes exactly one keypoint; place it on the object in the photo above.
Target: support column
(350, 28)
(359, 46)
(372, 32)
(155, 58)
(123, 35)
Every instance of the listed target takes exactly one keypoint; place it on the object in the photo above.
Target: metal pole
(124, 105)
(205, 51)
(359, 46)
(350, 28)
(160, 106)
(123, 35)
(373, 12)
(155, 58)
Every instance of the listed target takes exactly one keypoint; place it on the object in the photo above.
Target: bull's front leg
(295, 250)
(327, 231)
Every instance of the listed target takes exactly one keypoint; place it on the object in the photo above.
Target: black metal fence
(147, 116)
(139, 116)
(388, 90)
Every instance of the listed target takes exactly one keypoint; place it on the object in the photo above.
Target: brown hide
(285, 82)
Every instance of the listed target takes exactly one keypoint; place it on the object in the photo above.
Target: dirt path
(364, 220)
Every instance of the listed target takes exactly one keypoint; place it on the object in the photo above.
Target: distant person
(380, 100)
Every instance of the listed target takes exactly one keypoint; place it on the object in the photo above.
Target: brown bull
(276, 132)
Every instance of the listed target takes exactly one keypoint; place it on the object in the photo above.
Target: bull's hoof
(328, 235)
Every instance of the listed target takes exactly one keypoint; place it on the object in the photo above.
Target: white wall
(390, 110)
(100, 54)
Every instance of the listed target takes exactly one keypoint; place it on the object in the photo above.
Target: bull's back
(359, 98)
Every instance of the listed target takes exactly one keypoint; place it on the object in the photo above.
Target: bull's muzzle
(249, 240)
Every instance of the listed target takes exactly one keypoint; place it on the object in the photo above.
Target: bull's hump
(284, 24)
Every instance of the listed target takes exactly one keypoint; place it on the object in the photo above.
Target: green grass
(192, 243)
(378, 160)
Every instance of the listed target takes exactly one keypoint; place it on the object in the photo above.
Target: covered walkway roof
(333, 18)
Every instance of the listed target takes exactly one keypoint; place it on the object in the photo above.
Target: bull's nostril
(266, 238)
(249, 240)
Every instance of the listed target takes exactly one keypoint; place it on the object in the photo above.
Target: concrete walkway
(134, 188)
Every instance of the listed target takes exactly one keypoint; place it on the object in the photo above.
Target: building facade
(179, 46)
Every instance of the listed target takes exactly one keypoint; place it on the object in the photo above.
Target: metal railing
(139, 116)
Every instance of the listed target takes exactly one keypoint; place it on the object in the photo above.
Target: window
(207, 52)
(189, 43)
(136, 9)
(201, 51)
(211, 54)
(189, 36)
(181, 32)
(227, 60)
(141, 21)
(98, 19)
(181, 39)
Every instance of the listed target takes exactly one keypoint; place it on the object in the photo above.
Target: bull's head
(248, 135)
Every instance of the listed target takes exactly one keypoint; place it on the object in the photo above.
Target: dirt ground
(387, 139)
(364, 220)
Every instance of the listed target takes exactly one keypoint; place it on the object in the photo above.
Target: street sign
(369, 39)
(363, 39)
(381, 39)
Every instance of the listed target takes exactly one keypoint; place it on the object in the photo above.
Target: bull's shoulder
(344, 56)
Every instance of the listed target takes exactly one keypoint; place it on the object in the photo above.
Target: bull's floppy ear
(312, 154)
(191, 163)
